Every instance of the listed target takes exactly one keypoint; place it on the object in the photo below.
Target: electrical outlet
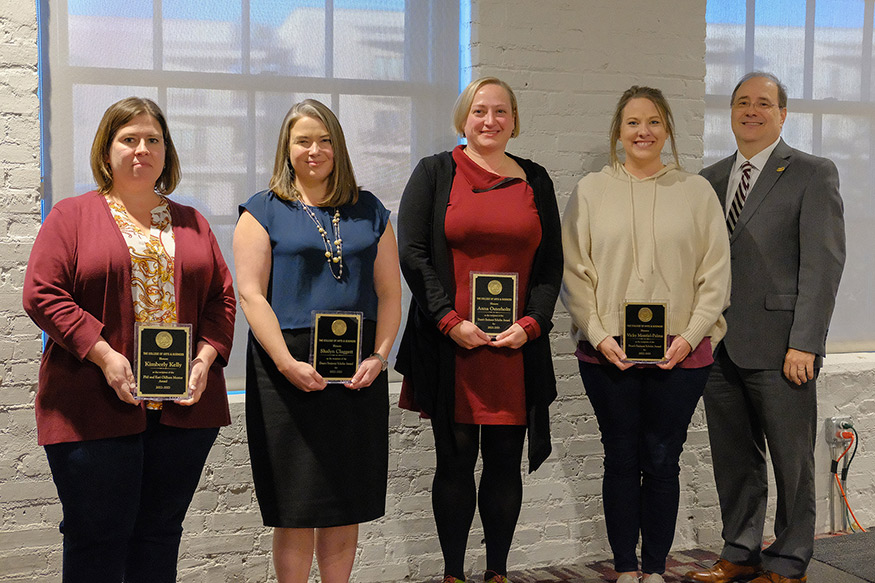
(833, 429)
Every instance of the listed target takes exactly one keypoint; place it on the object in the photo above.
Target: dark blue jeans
(124, 500)
(643, 415)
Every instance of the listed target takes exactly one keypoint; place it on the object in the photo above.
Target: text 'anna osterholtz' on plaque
(336, 344)
(493, 301)
(163, 361)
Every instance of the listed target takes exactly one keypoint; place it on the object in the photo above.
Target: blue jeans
(643, 415)
(124, 500)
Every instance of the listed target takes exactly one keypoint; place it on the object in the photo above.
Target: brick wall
(28, 506)
(568, 60)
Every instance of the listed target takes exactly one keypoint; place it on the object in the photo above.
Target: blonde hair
(342, 188)
(117, 116)
(463, 104)
(658, 99)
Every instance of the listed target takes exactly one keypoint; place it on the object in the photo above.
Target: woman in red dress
(479, 209)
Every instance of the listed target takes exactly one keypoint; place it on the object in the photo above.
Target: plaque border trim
(315, 316)
(139, 328)
(475, 275)
(664, 304)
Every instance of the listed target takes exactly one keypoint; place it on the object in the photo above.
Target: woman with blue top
(315, 242)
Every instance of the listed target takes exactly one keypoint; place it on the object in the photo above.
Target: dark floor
(679, 563)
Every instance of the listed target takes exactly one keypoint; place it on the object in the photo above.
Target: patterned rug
(679, 562)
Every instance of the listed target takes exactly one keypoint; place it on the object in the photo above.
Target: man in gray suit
(787, 242)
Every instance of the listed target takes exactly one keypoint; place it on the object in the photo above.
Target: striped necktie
(740, 196)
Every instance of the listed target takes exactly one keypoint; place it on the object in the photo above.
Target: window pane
(110, 34)
(846, 141)
(872, 82)
(779, 41)
(838, 49)
(89, 103)
(224, 233)
(724, 45)
(202, 36)
(719, 141)
(369, 39)
(209, 129)
(288, 38)
(798, 131)
(225, 126)
(377, 131)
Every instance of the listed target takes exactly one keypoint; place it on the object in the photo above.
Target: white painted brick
(23, 563)
(12, 153)
(209, 545)
(376, 574)
(234, 520)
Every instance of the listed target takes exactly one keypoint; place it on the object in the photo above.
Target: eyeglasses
(757, 105)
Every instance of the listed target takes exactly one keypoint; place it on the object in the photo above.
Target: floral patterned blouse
(152, 264)
(152, 277)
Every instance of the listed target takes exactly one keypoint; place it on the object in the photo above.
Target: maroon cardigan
(78, 287)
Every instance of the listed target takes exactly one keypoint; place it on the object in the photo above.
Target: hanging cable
(853, 437)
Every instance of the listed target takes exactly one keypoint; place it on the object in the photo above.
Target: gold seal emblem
(164, 340)
(645, 314)
(338, 327)
(494, 287)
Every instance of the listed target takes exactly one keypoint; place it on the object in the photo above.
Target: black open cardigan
(426, 357)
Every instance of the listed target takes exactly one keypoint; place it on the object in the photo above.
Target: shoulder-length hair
(463, 104)
(658, 99)
(342, 188)
(117, 116)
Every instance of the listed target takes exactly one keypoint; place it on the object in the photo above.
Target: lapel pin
(781, 168)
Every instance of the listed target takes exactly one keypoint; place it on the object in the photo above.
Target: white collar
(758, 160)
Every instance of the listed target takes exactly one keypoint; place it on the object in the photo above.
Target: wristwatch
(384, 364)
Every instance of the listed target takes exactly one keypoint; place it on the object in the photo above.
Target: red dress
(491, 225)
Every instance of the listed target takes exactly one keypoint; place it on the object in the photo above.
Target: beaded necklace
(335, 254)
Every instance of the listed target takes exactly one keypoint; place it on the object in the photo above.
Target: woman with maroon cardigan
(126, 470)
(479, 209)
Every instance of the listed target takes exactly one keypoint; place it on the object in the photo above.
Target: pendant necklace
(332, 254)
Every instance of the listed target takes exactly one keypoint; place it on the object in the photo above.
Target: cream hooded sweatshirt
(662, 238)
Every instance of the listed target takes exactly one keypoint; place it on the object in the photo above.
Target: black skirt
(319, 459)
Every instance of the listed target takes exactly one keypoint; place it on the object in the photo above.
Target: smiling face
(310, 152)
(136, 154)
(642, 134)
(756, 117)
(490, 120)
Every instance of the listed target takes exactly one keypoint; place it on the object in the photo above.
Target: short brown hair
(782, 91)
(342, 188)
(658, 99)
(463, 104)
(117, 116)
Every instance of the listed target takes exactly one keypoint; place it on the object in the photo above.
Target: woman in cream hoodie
(645, 232)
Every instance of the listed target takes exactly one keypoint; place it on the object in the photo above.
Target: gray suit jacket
(788, 251)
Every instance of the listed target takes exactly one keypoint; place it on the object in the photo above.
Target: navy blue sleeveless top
(301, 280)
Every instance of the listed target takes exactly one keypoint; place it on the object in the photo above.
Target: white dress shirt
(757, 161)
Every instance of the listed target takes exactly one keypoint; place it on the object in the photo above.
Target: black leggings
(454, 493)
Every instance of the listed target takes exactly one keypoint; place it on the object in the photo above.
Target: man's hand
(799, 366)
